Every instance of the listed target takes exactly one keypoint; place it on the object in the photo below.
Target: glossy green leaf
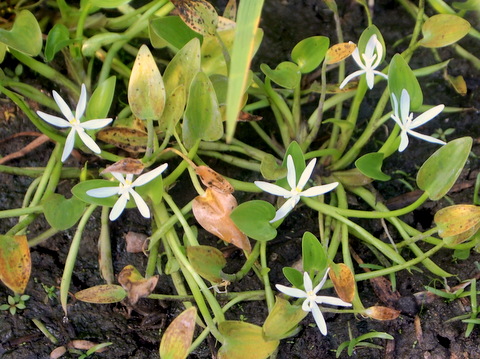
(202, 118)
(400, 77)
(207, 261)
(62, 213)
(183, 67)
(25, 35)
(371, 166)
(439, 172)
(282, 319)
(58, 38)
(178, 337)
(309, 53)
(270, 168)
(472, 5)
(15, 262)
(253, 218)
(241, 338)
(101, 100)
(314, 255)
(102, 294)
(443, 29)
(199, 15)
(146, 91)
(294, 276)
(286, 74)
(173, 30)
(152, 190)
(108, 4)
(92, 44)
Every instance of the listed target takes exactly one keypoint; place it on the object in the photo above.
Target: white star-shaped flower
(404, 118)
(125, 189)
(73, 121)
(368, 62)
(312, 299)
(296, 190)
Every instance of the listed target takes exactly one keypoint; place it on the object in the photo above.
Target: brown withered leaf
(178, 337)
(136, 242)
(212, 211)
(343, 281)
(339, 52)
(126, 166)
(213, 180)
(382, 313)
(128, 139)
(136, 286)
(248, 117)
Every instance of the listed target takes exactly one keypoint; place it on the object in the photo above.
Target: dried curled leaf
(136, 242)
(126, 166)
(382, 313)
(212, 211)
(136, 286)
(213, 180)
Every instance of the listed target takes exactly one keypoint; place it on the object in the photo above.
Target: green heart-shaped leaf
(270, 169)
(309, 53)
(401, 77)
(286, 74)
(62, 213)
(58, 38)
(294, 276)
(443, 29)
(207, 262)
(371, 165)
(314, 255)
(440, 171)
(253, 219)
(25, 35)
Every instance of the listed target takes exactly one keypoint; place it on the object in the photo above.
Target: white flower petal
(82, 103)
(62, 105)
(291, 173)
(307, 305)
(332, 301)
(96, 124)
(54, 120)
(395, 109)
(322, 282)
(403, 141)
(119, 177)
(318, 316)
(426, 137)
(292, 292)
(398, 121)
(103, 192)
(306, 174)
(119, 206)
(285, 208)
(319, 190)
(141, 204)
(307, 282)
(371, 45)
(88, 141)
(273, 189)
(426, 116)
(350, 77)
(147, 177)
(404, 105)
(69, 143)
(370, 77)
(357, 59)
(380, 74)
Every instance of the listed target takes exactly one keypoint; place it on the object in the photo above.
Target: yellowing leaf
(207, 261)
(128, 139)
(382, 313)
(102, 294)
(458, 83)
(146, 91)
(15, 262)
(178, 337)
(213, 180)
(282, 319)
(212, 211)
(343, 281)
(443, 29)
(462, 221)
(136, 286)
(339, 52)
(199, 15)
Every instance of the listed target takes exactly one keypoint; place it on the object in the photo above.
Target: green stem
(270, 298)
(17, 212)
(105, 249)
(72, 257)
(42, 237)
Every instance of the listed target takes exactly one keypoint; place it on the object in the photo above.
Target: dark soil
(422, 330)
